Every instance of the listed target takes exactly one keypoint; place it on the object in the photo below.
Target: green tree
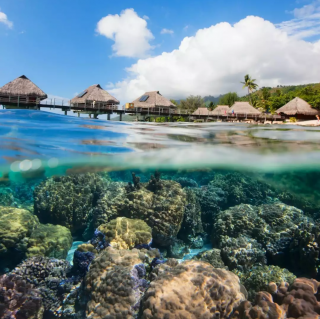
(192, 103)
(250, 84)
(229, 99)
(174, 102)
(211, 106)
(265, 94)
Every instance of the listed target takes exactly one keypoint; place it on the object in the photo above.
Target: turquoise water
(95, 214)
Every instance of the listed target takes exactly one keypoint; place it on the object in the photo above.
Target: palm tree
(249, 83)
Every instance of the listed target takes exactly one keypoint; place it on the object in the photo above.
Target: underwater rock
(161, 204)
(126, 233)
(50, 277)
(300, 300)
(16, 225)
(81, 262)
(258, 278)
(68, 200)
(50, 241)
(18, 299)
(106, 207)
(178, 249)
(115, 284)
(213, 257)
(192, 289)
(192, 224)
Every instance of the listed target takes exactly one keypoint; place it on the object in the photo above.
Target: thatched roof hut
(243, 108)
(153, 99)
(220, 110)
(297, 106)
(23, 87)
(202, 111)
(95, 93)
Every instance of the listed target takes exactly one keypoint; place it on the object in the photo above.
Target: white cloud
(128, 31)
(215, 60)
(166, 31)
(4, 20)
(306, 23)
(145, 17)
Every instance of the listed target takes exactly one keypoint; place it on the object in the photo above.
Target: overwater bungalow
(202, 111)
(95, 97)
(220, 110)
(21, 93)
(298, 108)
(243, 108)
(153, 99)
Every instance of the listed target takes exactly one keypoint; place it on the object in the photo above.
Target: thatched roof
(297, 106)
(155, 99)
(243, 108)
(94, 93)
(22, 86)
(202, 111)
(220, 110)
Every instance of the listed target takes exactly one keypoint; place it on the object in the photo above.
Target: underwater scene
(101, 219)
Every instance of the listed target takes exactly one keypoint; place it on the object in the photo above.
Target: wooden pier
(146, 113)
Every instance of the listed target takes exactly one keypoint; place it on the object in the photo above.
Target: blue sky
(58, 46)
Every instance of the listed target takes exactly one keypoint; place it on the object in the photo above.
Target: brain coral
(16, 225)
(50, 241)
(114, 284)
(160, 203)
(18, 299)
(68, 200)
(125, 233)
(191, 290)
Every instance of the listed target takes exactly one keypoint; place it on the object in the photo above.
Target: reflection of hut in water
(243, 108)
(298, 108)
(153, 99)
(21, 93)
(95, 97)
(220, 110)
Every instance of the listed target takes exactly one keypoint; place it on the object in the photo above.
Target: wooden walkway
(103, 108)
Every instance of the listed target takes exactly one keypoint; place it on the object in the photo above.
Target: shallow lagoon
(186, 214)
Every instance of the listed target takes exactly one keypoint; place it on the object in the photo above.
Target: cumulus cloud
(128, 31)
(166, 31)
(215, 60)
(4, 20)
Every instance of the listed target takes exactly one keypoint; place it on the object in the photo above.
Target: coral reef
(160, 204)
(300, 300)
(50, 241)
(192, 289)
(256, 231)
(125, 233)
(258, 278)
(241, 189)
(192, 224)
(186, 182)
(18, 299)
(50, 277)
(16, 225)
(68, 200)
(106, 207)
(115, 284)
(212, 256)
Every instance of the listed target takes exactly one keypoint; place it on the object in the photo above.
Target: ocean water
(101, 219)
